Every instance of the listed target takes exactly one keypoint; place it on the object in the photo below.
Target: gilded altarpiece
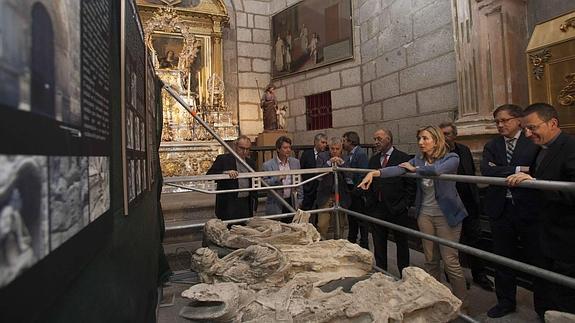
(185, 38)
(551, 67)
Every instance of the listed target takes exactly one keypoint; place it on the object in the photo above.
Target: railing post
(336, 204)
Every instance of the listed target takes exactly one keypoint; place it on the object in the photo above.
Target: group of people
(537, 223)
(284, 49)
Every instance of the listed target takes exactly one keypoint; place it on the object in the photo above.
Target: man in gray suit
(283, 161)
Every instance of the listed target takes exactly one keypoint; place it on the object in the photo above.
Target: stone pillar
(490, 40)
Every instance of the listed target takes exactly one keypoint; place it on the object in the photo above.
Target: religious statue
(281, 116)
(269, 104)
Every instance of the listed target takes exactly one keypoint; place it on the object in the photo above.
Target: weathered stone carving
(259, 230)
(559, 317)
(416, 298)
(264, 265)
(327, 260)
(259, 266)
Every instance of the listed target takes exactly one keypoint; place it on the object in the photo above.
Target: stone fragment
(259, 230)
(418, 297)
(259, 266)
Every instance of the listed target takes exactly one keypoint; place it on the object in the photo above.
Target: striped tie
(510, 146)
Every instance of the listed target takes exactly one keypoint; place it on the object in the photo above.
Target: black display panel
(55, 139)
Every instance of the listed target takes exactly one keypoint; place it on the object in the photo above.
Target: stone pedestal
(268, 139)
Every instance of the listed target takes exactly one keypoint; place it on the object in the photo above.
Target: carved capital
(567, 94)
(538, 61)
(566, 24)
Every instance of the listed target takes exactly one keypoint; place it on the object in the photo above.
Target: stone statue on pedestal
(269, 105)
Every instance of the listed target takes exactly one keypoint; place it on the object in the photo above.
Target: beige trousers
(434, 252)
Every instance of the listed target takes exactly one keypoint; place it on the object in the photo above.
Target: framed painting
(311, 34)
(168, 48)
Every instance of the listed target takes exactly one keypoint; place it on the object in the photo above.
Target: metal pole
(535, 184)
(336, 204)
(275, 216)
(183, 103)
(514, 264)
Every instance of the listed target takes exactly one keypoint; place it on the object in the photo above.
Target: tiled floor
(480, 300)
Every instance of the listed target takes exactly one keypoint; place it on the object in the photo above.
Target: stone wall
(408, 66)
(543, 10)
(402, 75)
(247, 57)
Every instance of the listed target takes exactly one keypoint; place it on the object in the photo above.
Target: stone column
(217, 58)
(490, 40)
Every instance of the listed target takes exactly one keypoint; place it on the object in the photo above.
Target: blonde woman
(439, 208)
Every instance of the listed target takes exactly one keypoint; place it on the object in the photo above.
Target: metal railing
(524, 267)
(517, 265)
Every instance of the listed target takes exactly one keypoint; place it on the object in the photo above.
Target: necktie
(385, 161)
(510, 146)
(383, 165)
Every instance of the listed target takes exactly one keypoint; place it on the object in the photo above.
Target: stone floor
(480, 300)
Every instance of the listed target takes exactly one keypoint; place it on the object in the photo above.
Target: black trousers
(561, 298)
(243, 207)
(471, 236)
(380, 235)
(286, 210)
(514, 228)
(356, 225)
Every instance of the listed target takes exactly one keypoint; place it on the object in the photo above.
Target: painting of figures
(311, 34)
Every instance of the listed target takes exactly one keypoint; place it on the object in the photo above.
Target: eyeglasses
(448, 134)
(503, 121)
(533, 127)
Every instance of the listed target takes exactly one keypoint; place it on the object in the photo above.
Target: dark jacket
(494, 163)
(225, 208)
(326, 186)
(306, 161)
(445, 191)
(356, 160)
(397, 193)
(468, 192)
(557, 209)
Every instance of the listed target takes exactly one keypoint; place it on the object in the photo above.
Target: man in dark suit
(325, 197)
(308, 160)
(389, 200)
(356, 158)
(556, 162)
(511, 210)
(469, 194)
(240, 204)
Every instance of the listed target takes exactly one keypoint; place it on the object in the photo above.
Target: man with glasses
(556, 162)
(469, 194)
(510, 210)
(235, 205)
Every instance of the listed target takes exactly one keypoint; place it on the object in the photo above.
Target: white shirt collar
(389, 151)
(281, 163)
